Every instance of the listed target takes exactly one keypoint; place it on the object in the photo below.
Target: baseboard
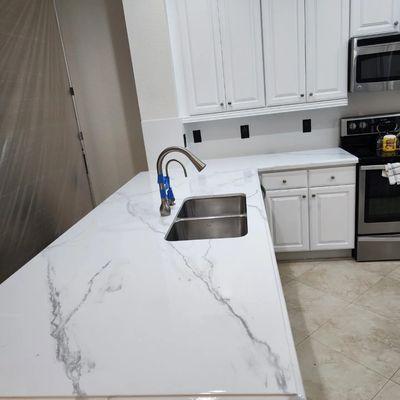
(313, 255)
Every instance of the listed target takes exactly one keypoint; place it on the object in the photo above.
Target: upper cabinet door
(369, 17)
(327, 32)
(202, 55)
(284, 49)
(242, 53)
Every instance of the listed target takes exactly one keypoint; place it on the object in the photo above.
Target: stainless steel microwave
(374, 63)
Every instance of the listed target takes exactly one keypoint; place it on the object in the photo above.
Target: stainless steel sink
(211, 217)
(215, 206)
(208, 228)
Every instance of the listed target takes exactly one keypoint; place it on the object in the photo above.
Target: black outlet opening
(244, 131)
(306, 125)
(197, 136)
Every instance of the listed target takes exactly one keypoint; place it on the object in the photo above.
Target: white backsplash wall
(284, 132)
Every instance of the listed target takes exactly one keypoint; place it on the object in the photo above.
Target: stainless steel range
(378, 202)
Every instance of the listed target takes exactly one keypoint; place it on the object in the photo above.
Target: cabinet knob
(302, 95)
(221, 104)
(395, 23)
(311, 94)
(313, 195)
(304, 196)
(229, 103)
(284, 181)
(332, 177)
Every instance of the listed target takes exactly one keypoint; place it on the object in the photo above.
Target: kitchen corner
(113, 309)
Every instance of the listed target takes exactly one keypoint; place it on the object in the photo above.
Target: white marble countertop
(111, 308)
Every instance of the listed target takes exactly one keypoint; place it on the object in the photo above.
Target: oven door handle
(372, 167)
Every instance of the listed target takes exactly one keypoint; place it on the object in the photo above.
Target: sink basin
(208, 228)
(213, 206)
(210, 217)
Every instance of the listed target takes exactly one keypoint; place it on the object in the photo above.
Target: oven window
(378, 67)
(382, 201)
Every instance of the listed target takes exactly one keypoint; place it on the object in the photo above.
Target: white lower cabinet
(312, 218)
(332, 217)
(288, 218)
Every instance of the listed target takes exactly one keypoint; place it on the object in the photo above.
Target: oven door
(378, 202)
(375, 67)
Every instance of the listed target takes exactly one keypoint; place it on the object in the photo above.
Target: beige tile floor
(345, 318)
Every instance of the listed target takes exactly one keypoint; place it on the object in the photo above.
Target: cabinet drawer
(285, 180)
(332, 176)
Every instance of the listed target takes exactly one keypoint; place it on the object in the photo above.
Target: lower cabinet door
(288, 219)
(332, 217)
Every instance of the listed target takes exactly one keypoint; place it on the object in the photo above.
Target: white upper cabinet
(256, 57)
(222, 54)
(242, 53)
(305, 47)
(201, 47)
(369, 17)
(284, 49)
(327, 35)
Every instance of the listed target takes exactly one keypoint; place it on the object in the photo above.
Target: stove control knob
(363, 124)
(352, 126)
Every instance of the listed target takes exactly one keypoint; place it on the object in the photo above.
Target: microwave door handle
(372, 167)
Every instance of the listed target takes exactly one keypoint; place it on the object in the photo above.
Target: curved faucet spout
(177, 161)
(165, 208)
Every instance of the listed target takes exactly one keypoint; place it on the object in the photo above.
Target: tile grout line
(342, 310)
(380, 390)
(310, 336)
(348, 304)
(351, 359)
(394, 375)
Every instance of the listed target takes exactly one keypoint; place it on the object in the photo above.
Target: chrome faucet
(165, 208)
(177, 161)
(167, 181)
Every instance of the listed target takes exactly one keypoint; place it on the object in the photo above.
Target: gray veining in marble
(111, 308)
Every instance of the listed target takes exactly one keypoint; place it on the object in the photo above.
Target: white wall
(149, 41)
(98, 54)
(283, 132)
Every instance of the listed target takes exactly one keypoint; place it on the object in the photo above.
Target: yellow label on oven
(389, 143)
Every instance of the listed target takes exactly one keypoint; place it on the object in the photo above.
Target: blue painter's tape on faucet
(167, 182)
(160, 178)
(170, 194)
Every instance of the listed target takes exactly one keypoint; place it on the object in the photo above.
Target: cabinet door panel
(369, 17)
(242, 53)
(284, 48)
(332, 222)
(202, 54)
(327, 34)
(288, 219)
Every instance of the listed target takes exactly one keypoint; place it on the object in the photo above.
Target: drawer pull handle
(284, 181)
(304, 196)
(313, 195)
(332, 177)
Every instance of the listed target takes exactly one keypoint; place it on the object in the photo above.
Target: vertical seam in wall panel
(82, 143)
